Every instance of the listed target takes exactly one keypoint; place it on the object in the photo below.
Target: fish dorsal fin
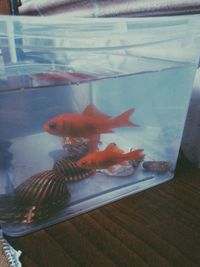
(114, 148)
(91, 110)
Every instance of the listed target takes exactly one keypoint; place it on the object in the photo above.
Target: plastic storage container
(190, 141)
(91, 110)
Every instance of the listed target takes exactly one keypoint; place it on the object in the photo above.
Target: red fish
(105, 159)
(67, 77)
(88, 124)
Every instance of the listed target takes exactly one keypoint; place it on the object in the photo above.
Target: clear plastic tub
(122, 87)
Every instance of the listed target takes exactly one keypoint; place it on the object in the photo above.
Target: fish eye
(52, 125)
(83, 162)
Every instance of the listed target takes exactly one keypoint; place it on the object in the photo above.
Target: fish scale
(68, 168)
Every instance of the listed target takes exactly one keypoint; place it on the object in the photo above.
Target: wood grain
(157, 227)
(4, 7)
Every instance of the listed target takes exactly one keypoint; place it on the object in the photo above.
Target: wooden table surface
(157, 227)
(4, 7)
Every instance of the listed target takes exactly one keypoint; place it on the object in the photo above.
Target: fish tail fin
(134, 155)
(123, 119)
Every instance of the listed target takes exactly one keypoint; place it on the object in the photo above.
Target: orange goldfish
(72, 77)
(88, 124)
(105, 159)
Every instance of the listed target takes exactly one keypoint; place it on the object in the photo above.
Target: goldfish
(89, 124)
(66, 77)
(110, 156)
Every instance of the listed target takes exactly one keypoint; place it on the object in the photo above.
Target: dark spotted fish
(68, 168)
(157, 166)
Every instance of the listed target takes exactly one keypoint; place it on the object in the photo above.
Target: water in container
(91, 110)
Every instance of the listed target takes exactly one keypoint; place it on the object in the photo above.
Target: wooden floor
(157, 227)
(4, 7)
